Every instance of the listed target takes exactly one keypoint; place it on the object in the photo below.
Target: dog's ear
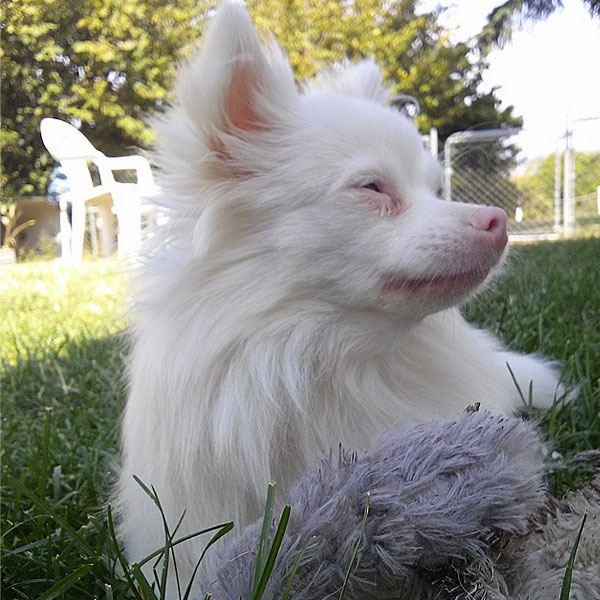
(362, 79)
(232, 83)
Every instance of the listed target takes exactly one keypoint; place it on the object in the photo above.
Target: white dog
(303, 294)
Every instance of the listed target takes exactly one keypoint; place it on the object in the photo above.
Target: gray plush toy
(457, 510)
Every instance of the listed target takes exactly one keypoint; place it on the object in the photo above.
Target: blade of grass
(224, 530)
(147, 590)
(180, 540)
(168, 547)
(275, 546)
(120, 556)
(502, 316)
(264, 536)
(47, 510)
(288, 585)
(512, 375)
(60, 587)
(356, 547)
(552, 420)
(45, 450)
(565, 590)
(530, 394)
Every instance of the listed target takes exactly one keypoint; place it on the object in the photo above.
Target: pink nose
(491, 222)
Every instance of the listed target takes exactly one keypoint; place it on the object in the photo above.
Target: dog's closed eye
(372, 185)
(379, 197)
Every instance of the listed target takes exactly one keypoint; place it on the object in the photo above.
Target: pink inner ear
(242, 91)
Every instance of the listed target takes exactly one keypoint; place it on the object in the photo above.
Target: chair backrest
(72, 150)
(64, 141)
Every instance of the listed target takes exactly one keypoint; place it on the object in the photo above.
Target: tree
(102, 63)
(536, 185)
(108, 63)
(415, 52)
(505, 17)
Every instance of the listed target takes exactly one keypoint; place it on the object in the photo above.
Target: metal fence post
(448, 168)
(433, 142)
(568, 188)
(557, 190)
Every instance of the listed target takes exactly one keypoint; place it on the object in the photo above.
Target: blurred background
(505, 94)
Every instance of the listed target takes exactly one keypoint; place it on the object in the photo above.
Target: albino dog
(302, 293)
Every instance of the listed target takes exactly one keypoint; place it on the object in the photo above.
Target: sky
(549, 72)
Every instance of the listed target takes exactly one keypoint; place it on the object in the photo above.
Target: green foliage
(9, 217)
(105, 63)
(536, 189)
(512, 13)
(587, 173)
(414, 51)
(536, 186)
(109, 63)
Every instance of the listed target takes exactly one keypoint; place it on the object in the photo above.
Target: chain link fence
(583, 171)
(556, 194)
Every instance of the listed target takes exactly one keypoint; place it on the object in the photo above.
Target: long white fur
(262, 338)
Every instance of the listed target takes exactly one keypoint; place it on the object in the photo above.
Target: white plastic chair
(73, 151)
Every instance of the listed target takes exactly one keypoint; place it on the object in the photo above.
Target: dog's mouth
(439, 285)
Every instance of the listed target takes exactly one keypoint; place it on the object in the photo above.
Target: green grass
(63, 351)
(62, 392)
(548, 301)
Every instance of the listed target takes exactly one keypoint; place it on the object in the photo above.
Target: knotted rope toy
(456, 510)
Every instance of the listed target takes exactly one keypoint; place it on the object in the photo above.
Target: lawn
(63, 351)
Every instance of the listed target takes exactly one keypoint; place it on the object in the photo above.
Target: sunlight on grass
(43, 304)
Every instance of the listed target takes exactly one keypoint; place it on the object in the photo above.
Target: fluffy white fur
(301, 295)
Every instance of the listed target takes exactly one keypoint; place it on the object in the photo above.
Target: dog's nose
(491, 222)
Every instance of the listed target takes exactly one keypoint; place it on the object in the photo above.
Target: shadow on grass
(60, 425)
